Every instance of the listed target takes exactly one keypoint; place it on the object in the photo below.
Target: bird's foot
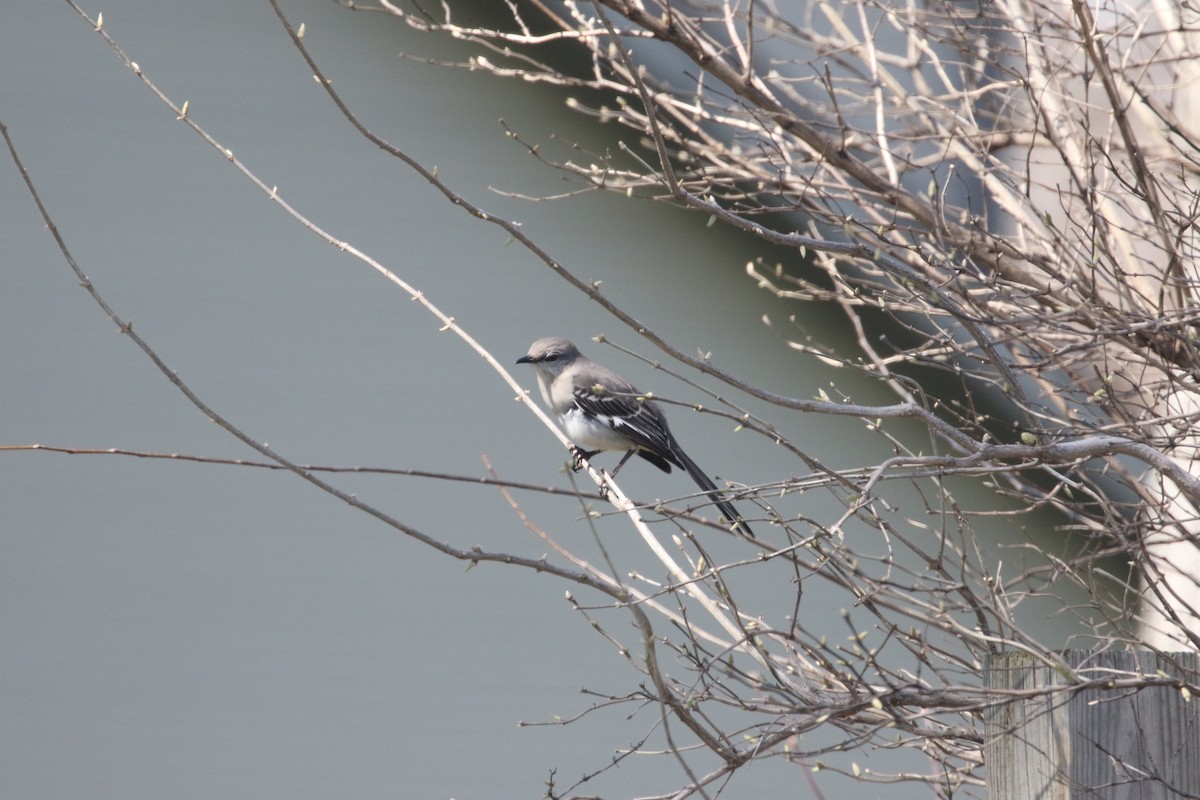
(579, 456)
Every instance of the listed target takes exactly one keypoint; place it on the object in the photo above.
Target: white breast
(592, 433)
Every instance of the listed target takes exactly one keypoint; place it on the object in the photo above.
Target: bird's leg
(578, 456)
(621, 463)
(613, 474)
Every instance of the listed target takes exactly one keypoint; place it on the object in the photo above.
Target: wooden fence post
(1100, 743)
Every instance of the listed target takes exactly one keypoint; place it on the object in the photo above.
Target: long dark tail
(704, 482)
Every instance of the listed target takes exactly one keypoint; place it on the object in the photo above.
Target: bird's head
(550, 356)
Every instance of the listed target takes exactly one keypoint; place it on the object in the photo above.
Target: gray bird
(599, 410)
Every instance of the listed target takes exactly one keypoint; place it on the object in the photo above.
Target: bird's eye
(551, 358)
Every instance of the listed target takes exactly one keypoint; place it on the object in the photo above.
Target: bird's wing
(638, 420)
(642, 423)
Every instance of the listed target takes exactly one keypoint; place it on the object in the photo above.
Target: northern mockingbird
(599, 410)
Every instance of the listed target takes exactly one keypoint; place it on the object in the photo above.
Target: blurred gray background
(175, 629)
